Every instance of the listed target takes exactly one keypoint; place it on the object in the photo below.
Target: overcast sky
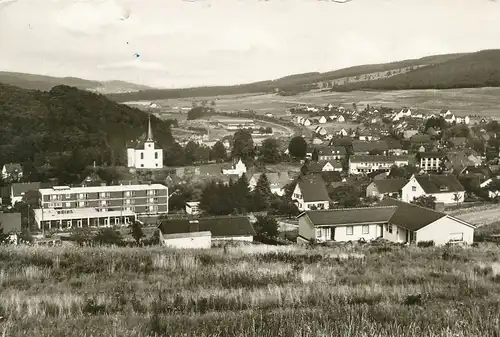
(214, 42)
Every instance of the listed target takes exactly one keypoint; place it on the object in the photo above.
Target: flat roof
(76, 213)
(93, 189)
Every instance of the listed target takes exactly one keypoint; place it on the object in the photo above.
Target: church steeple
(149, 137)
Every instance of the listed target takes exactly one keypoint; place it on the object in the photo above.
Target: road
(290, 130)
(480, 217)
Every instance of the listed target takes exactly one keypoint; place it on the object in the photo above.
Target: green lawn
(250, 291)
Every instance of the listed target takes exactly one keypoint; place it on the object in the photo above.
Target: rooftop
(221, 226)
(47, 214)
(350, 216)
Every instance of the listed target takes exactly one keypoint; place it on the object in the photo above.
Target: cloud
(134, 64)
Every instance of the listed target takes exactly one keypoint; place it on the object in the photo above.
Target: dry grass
(250, 291)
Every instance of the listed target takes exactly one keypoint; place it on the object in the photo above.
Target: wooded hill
(297, 83)
(59, 132)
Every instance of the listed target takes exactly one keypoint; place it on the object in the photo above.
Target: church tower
(146, 154)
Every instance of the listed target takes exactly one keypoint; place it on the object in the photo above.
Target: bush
(425, 244)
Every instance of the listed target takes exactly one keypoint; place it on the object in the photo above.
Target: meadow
(251, 290)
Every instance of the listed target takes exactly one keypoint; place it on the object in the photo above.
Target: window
(68, 204)
(142, 165)
(318, 233)
(142, 155)
(349, 230)
(156, 155)
(389, 228)
(414, 188)
(366, 229)
(81, 204)
(80, 196)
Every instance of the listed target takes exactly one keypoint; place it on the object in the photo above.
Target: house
(322, 120)
(12, 171)
(201, 232)
(93, 179)
(431, 161)
(365, 135)
(331, 166)
(395, 148)
(341, 225)
(331, 153)
(413, 224)
(407, 134)
(462, 120)
(361, 147)
(146, 153)
(341, 119)
(445, 188)
(310, 193)
(386, 188)
(366, 163)
(320, 130)
(19, 190)
(450, 118)
(277, 181)
(237, 169)
(391, 220)
(192, 207)
(490, 185)
(10, 223)
(342, 132)
(405, 112)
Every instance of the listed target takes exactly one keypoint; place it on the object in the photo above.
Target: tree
(266, 226)
(137, 232)
(190, 152)
(269, 151)
(427, 201)
(262, 194)
(297, 147)
(198, 112)
(315, 155)
(402, 171)
(174, 155)
(346, 196)
(242, 195)
(457, 197)
(4, 237)
(218, 152)
(82, 236)
(243, 147)
(108, 236)
(212, 103)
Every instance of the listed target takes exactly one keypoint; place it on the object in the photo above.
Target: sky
(185, 43)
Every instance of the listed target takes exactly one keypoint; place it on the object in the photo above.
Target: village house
(395, 148)
(382, 188)
(341, 119)
(323, 166)
(361, 147)
(10, 224)
(12, 171)
(239, 168)
(366, 164)
(331, 153)
(342, 133)
(405, 112)
(393, 220)
(310, 193)
(200, 233)
(19, 190)
(445, 188)
(145, 153)
(432, 161)
(320, 131)
(277, 181)
(322, 120)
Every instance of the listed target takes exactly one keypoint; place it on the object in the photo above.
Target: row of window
(84, 204)
(102, 195)
(142, 155)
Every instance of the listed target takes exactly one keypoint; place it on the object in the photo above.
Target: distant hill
(66, 129)
(45, 83)
(480, 69)
(295, 83)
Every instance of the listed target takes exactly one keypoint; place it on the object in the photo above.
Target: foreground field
(250, 291)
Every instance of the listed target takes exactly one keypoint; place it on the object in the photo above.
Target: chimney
(439, 207)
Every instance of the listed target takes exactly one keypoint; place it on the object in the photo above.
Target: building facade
(146, 154)
(368, 164)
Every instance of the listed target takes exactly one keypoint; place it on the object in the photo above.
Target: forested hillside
(481, 69)
(58, 133)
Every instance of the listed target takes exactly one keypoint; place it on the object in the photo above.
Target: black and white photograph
(249, 168)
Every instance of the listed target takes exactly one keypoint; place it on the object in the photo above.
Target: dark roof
(350, 216)
(431, 155)
(394, 144)
(13, 167)
(331, 150)
(314, 166)
(313, 188)
(19, 189)
(10, 222)
(434, 183)
(410, 216)
(362, 146)
(390, 185)
(377, 159)
(220, 226)
(420, 139)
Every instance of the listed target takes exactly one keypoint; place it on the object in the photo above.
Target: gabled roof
(434, 183)
(420, 139)
(331, 150)
(13, 167)
(411, 216)
(350, 216)
(362, 146)
(220, 226)
(10, 223)
(313, 188)
(434, 154)
(19, 189)
(390, 185)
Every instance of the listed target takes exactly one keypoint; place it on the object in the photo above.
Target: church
(145, 154)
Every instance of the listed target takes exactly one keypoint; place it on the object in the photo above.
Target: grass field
(250, 291)
(475, 101)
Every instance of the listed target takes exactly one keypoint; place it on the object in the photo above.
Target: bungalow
(431, 161)
(200, 233)
(10, 223)
(392, 220)
(386, 188)
(12, 171)
(310, 193)
(368, 164)
(445, 188)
